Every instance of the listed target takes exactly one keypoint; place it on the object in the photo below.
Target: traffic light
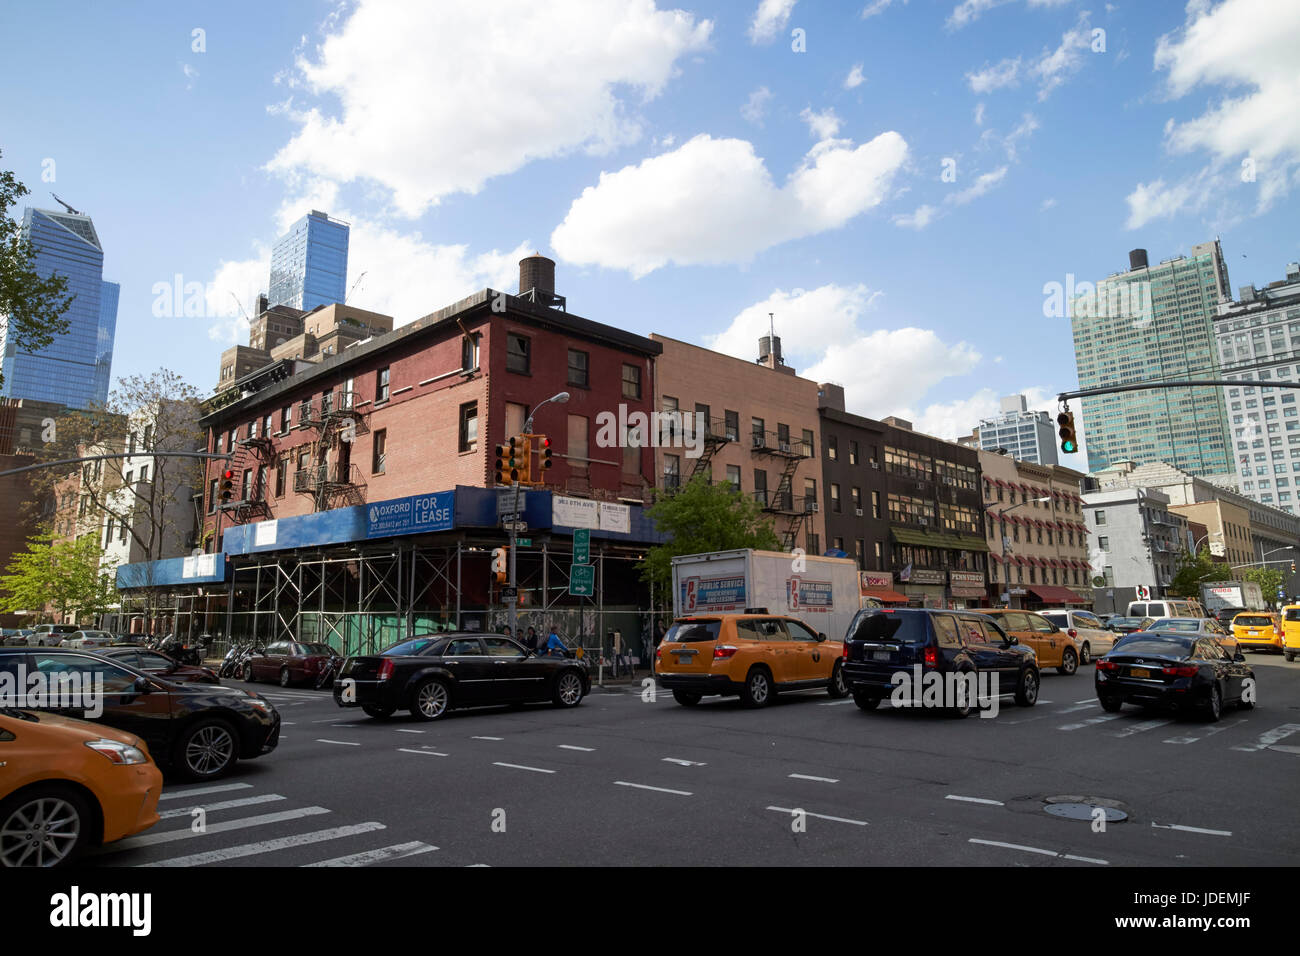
(227, 485)
(508, 462)
(1293, 567)
(499, 566)
(1069, 442)
(526, 460)
(545, 446)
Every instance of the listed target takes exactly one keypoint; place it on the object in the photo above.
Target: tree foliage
(699, 518)
(67, 576)
(31, 306)
(1269, 580)
(1194, 571)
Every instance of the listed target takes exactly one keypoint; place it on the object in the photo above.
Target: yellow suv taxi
(1052, 646)
(1257, 629)
(753, 655)
(1291, 631)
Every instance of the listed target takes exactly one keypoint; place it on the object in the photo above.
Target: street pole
(514, 581)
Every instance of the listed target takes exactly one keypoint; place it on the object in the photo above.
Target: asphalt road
(624, 780)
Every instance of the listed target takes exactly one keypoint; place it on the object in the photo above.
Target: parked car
(431, 675)
(50, 635)
(1127, 625)
(70, 785)
(1052, 646)
(754, 656)
(1093, 637)
(1166, 608)
(199, 730)
(885, 641)
(1224, 615)
(1256, 630)
(1174, 669)
(159, 664)
(13, 637)
(1291, 631)
(1197, 625)
(87, 640)
(289, 662)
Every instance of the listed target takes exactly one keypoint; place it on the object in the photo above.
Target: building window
(381, 389)
(469, 352)
(856, 494)
(814, 543)
(576, 453)
(144, 472)
(259, 490)
(517, 353)
(1104, 543)
(246, 486)
(1099, 517)
(516, 417)
(212, 496)
(378, 452)
(875, 504)
(807, 448)
(108, 538)
(672, 472)
(733, 477)
(469, 426)
(853, 453)
(860, 552)
(578, 362)
(281, 474)
(832, 448)
(631, 381)
(732, 425)
(286, 419)
(835, 498)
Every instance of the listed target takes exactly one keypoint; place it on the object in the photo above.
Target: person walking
(530, 639)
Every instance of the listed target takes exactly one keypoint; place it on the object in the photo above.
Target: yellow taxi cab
(1257, 629)
(1052, 646)
(754, 655)
(67, 784)
(1291, 631)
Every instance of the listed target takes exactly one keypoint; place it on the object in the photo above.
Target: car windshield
(1060, 620)
(1123, 621)
(1157, 645)
(1252, 620)
(1175, 624)
(901, 627)
(683, 632)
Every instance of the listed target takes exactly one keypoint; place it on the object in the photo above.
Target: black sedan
(1127, 625)
(198, 730)
(431, 675)
(1168, 669)
(159, 664)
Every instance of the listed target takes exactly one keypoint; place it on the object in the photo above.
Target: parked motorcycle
(329, 672)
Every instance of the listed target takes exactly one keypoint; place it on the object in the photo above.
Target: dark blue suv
(888, 651)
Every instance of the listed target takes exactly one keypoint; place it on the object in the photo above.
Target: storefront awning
(929, 539)
(885, 595)
(1051, 594)
(967, 592)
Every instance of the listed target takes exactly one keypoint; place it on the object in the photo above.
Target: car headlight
(260, 703)
(117, 751)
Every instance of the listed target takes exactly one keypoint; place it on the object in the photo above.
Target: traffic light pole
(514, 582)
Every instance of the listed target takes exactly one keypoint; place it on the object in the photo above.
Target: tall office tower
(1154, 323)
(1258, 338)
(74, 370)
(1026, 435)
(309, 264)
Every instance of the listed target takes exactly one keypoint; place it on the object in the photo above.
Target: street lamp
(559, 399)
(1005, 549)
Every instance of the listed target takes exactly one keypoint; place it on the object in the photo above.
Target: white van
(1169, 608)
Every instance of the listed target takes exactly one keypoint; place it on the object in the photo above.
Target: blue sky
(898, 192)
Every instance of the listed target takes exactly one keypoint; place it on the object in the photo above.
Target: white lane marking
(1081, 705)
(1206, 732)
(1041, 702)
(642, 786)
(805, 776)
(821, 816)
(487, 738)
(430, 753)
(341, 743)
(1284, 748)
(683, 763)
(268, 846)
(1090, 721)
(287, 723)
(993, 803)
(1269, 738)
(1176, 826)
(834, 703)
(519, 766)
(572, 747)
(196, 791)
(1087, 700)
(1038, 850)
(325, 720)
(220, 805)
(396, 852)
(408, 730)
(1146, 725)
(171, 836)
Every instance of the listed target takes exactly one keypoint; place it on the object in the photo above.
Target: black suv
(199, 730)
(883, 643)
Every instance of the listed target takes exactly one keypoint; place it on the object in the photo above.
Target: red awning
(995, 556)
(885, 595)
(1052, 594)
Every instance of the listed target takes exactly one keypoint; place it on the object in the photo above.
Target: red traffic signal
(227, 484)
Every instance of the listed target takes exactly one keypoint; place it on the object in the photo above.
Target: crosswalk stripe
(1091, 720)
(269, 846)
(382, 855)
(1269, 738)
(1206, 731)
(196, 791)
(220, 805)
(1143, 727)
(243, 823)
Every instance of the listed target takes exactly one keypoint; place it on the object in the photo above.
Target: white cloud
(979, 114)
(1004, 73)
(713, 201)
(855, 77)
(968, 11)
(1046, 204)
(560, 77)
(875, 7)
(1053, 67)
(954, 419)
(755, 107)
(926, 214)
(770, 19)
(1160, 200)
(823, 125)
(919, 219)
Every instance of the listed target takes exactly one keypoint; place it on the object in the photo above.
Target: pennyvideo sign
(415, 514)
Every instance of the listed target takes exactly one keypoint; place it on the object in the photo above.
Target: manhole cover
(1085, 811)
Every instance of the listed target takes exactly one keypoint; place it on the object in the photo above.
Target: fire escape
(782, 501)
(715, 436)
(255, 456)
(337, 422)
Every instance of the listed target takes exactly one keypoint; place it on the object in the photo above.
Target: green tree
(1269, 580)
(1194, 571)
(66, 576)
(31, 306)
(699, 518)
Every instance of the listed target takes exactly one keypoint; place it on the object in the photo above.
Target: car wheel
(1069, 662)
(837, 687)
(1289, 656)
(757, 690)
(1027, 688)
(206, 750)
(1085, 654)
(1214, 706)
(284, 677)
(377, 712)
(686, 698)
(247, 673)
(1111, 704)
(44, 826)
(966, 705)
(866, 702)
(568, 689)
(430, 700)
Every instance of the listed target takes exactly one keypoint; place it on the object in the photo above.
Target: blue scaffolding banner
(414, 514)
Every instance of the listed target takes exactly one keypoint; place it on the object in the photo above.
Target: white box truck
(822, 592)
(1243, 594)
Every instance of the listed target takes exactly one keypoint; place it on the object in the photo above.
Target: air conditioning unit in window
(814, 506)
(857, 512)
(875, 465)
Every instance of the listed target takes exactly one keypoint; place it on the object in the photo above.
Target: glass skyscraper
(309, 264)
(1154, 323)
(75, 369)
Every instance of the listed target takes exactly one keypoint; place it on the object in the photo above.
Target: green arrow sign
(582, 580)
(582, 546)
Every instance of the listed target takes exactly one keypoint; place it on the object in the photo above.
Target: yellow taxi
(1052, 646)
(1291, 631)
(1257, 629)
(752, 655)
(67, 784)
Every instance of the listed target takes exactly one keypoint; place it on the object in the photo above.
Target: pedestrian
(554, 646)
(530, 639)
(506, 630)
